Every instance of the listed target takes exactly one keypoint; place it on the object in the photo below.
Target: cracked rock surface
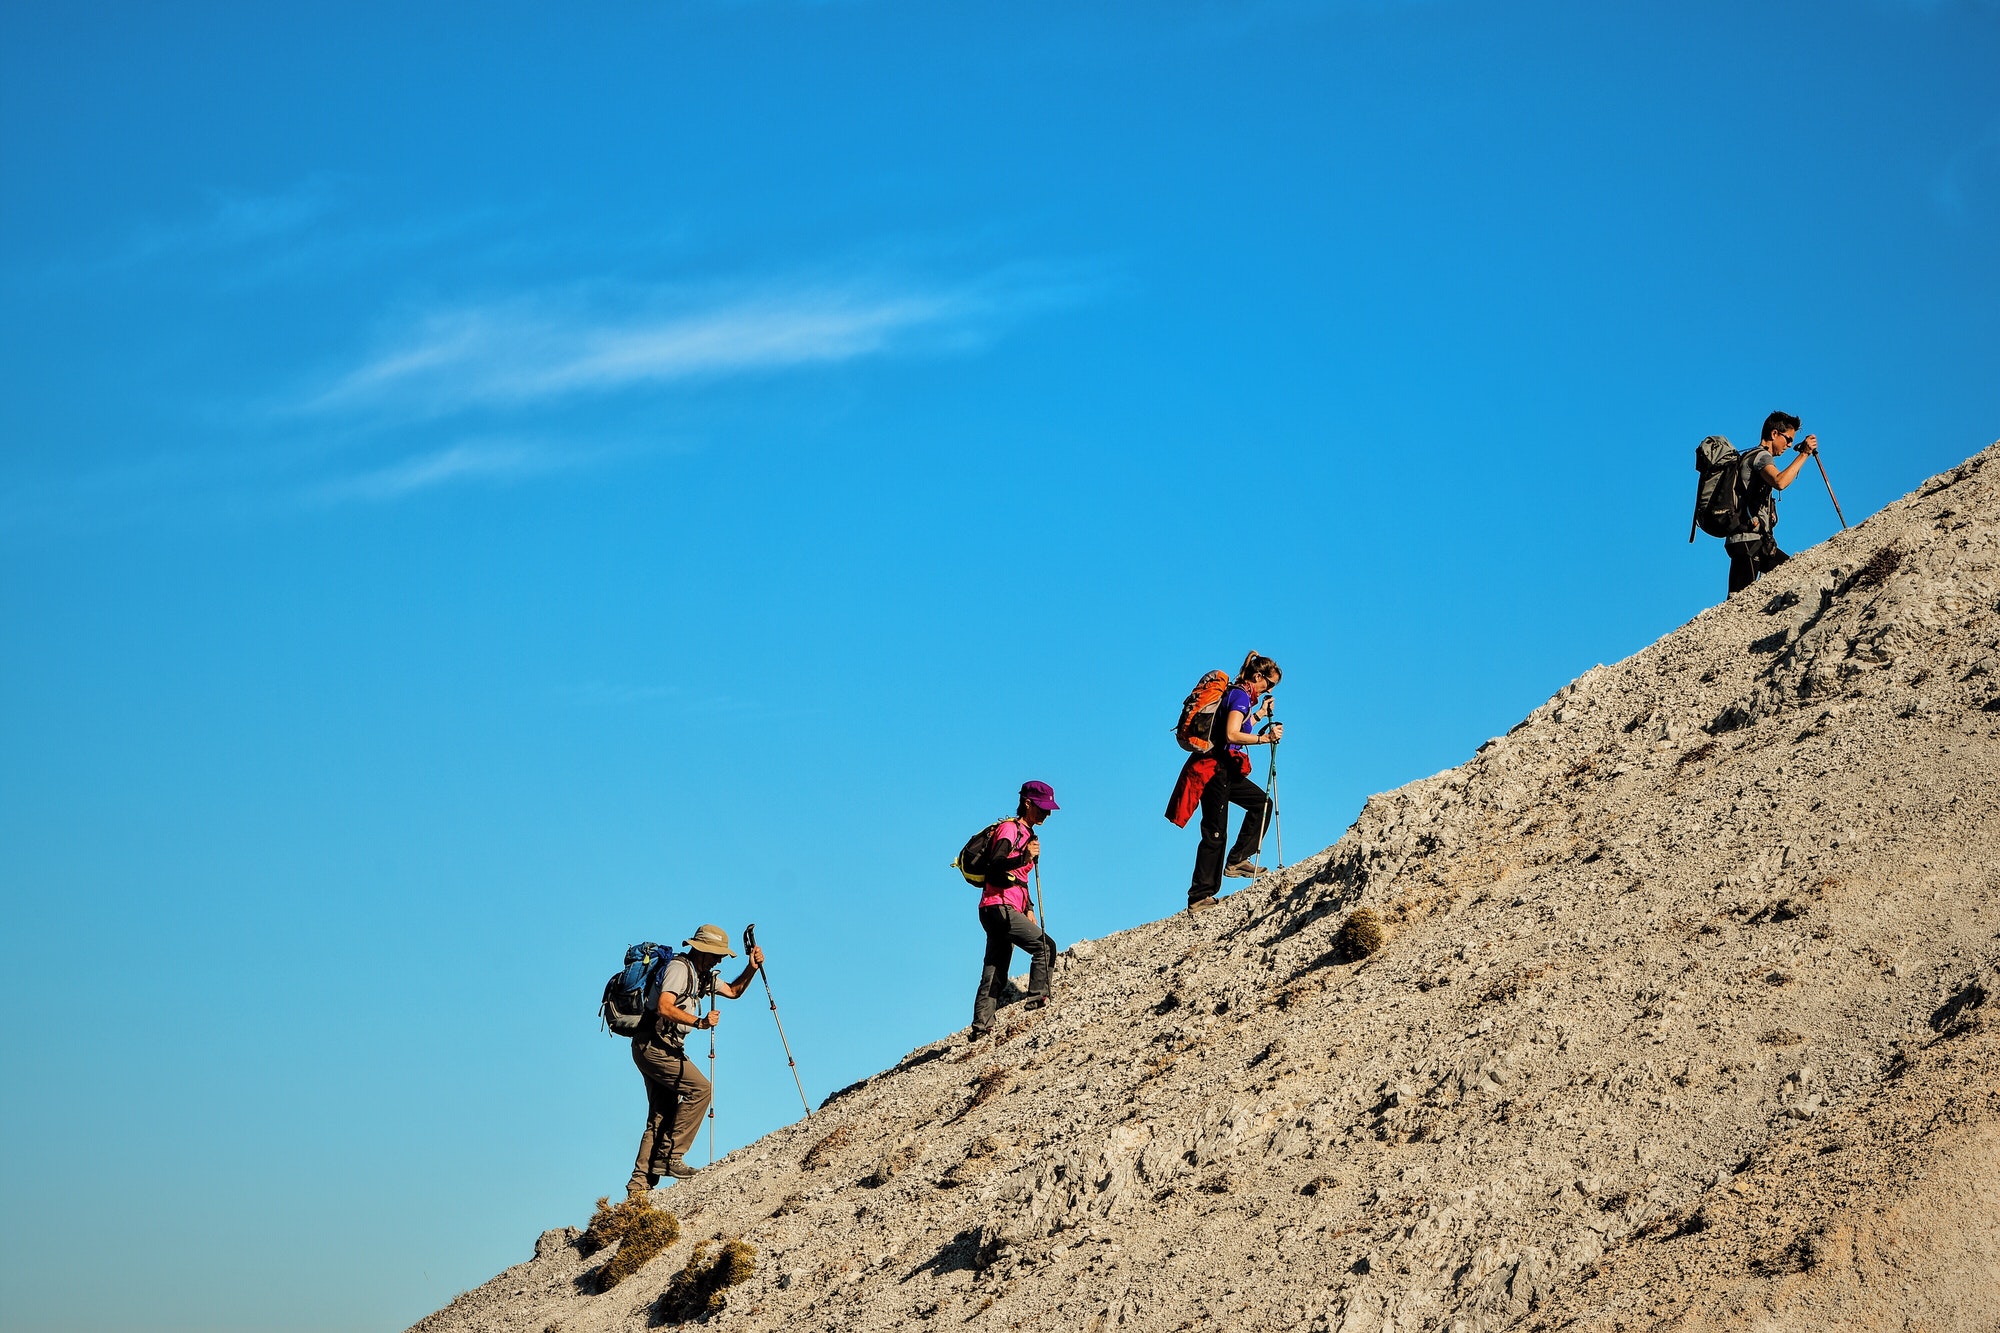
(1684, 1020)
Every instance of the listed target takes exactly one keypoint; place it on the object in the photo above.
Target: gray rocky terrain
(1682, 1022)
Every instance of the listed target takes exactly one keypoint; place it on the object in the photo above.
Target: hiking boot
(1201, 904)
(1243, 869)
(637, 1190)
(679, 1170)
(979, 1034)
(1036, 1001)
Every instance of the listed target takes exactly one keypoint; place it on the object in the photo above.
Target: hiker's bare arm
(670, 1010)
(1807, 448)
(1238, 736)
(734, 990)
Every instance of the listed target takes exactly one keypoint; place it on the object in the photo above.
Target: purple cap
(1040, 795)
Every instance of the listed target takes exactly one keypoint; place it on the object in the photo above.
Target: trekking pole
(1277, 815)
(1276, 823)
(712, 1002)
(1829, 491)
(750, 942)
(1040, 910)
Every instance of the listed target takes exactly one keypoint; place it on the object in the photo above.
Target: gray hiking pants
(677, 1099)
(1006, 928)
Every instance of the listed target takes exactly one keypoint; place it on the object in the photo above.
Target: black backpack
(1718, 491)
(975, 859)
(633, 993)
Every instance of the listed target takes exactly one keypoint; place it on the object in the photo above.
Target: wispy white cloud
(598, 693)
(554, 345)
(243, 239)
(490, 461)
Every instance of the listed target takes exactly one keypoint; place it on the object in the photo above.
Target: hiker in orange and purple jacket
(1237, 711)
(1007, 910)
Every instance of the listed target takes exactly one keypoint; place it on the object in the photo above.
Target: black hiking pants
(1226, 787)
(1005, 929)
(1749, 559)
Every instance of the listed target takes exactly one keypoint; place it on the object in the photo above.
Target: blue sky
(483, 485)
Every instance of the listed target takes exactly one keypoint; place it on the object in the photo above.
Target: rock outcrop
(1684, 1020)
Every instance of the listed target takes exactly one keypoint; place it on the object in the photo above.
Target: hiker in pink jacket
(1007, 911)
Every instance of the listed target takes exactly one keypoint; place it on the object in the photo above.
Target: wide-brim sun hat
(710, 939)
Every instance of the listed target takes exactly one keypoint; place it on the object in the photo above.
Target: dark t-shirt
(1234, 699)
(1760, 500)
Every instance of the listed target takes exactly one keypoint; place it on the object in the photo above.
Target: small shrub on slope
(697, 1290)
(1361, 934)
(641, 1232)
(607, 1224)
(822, 1152)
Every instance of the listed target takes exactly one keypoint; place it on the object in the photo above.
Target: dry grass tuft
(608, 1224)
(1879, 567)
(646, 1232)
(1361, 934)
(1696, 755)
(992, 1081)
(697, 1291)
(822, 1152)
(1782, 1037)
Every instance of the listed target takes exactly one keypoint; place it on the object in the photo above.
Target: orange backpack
(1198, 712)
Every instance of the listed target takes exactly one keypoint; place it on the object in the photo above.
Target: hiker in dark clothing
(1231, 783)
(1007, 909)
(1754, 550)
(677, 1096)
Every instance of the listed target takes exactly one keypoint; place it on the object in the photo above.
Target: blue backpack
(633, 993)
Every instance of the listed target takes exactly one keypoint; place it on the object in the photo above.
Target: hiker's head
(1037, 799)
(707, 947)
(1259, 674)
(1779, 428)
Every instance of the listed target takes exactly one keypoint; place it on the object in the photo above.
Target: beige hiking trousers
(677, 1099)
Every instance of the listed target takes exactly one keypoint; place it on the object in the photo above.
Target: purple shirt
(1235, 699)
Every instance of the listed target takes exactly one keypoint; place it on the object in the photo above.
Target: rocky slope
(1682, 1023)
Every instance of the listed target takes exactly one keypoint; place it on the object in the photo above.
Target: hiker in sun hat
(1006, 911)
(677, 1095)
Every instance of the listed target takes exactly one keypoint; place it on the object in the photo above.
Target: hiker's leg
(993, 975)
(659, 1115)
(1256, 817)
(694, 1093)
(1742, 566)
(1769, 557)
(1040, 948)
(1214, 832)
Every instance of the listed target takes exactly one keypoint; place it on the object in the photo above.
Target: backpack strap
(993, 843)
